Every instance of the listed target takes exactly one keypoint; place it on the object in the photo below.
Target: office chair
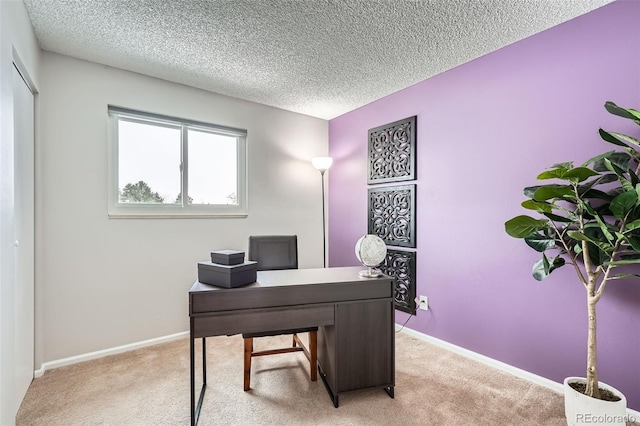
(278, 252)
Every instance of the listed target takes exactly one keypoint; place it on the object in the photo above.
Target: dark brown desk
(354, 315)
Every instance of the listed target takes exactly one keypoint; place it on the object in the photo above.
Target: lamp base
(370, 273)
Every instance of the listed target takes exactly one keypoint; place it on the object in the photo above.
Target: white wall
(17, 42)
(110, 282)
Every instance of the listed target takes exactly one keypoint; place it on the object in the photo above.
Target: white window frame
(152, 210)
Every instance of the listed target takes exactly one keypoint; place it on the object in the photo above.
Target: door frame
(24, 74)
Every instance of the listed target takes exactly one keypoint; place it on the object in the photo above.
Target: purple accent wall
(485, 130)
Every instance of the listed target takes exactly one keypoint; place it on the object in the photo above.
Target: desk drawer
(209, 299)
(259, 320)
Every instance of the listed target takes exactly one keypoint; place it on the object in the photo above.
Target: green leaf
(625, 138)
(601, 224)
(595, 194)
(618, 138)
(579, 174)
(586, 206)
(597, 158)
(543, 267)
(598, 239)
(620, 159)
(622, 112)
(604, 228)
(605, 246)
(615, 192)
(547, 192)
(603, 210)
(622, 276)
(529, 191)
(632, 256)
(557, 218)
(624, 262)
(633, 178)
(523, 226)
(612, 167)
(540, 268)
(623, 203)
(552, 174)
(632, 225)
(539, 206)
(600, 180)
(597, 256)
(611, 139)
(637, 188)
(577, 235)
(634, 242)
(624, 182)
(557, 262)
(626, 185)
(539, 242)
(567, 165)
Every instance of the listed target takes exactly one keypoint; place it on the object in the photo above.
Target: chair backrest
(274, 251)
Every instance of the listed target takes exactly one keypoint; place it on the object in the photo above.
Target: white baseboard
(111, 351)
(518, 372)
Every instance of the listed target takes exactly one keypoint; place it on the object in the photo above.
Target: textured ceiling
(317, 57)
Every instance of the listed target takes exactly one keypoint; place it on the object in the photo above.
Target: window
(169, 167)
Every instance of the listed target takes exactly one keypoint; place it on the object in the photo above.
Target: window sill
(186, 215)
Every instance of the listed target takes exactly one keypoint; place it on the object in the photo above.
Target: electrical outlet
(424, 303)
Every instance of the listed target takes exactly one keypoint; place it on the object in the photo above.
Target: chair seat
(279, 332)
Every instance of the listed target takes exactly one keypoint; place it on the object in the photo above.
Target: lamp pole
(322, 164)
(324, 231)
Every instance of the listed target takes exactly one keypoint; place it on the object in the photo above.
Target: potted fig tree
(589, 218)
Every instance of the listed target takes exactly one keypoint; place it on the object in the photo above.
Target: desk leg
(195, 408)
(334, 398)
(389, 390)
(204, 361)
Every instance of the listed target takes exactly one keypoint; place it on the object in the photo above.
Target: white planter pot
(584, 410)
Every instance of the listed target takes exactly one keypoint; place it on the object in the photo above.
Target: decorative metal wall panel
(392, 152)
(392, 214)
(401, 265)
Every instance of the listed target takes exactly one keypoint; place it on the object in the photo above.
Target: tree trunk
(592, 369)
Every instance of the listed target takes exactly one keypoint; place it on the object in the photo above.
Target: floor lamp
(322, 164)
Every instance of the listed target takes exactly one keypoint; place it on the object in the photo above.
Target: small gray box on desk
(227, 257)
(228, 276)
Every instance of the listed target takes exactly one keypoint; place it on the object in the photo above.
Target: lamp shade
(322, 163)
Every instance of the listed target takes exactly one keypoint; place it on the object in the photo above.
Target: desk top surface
(296, 277)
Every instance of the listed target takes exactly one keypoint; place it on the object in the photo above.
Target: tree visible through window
(156, 160)
(139, 193)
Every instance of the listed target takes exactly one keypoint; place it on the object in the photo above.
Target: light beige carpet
(150, 386)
